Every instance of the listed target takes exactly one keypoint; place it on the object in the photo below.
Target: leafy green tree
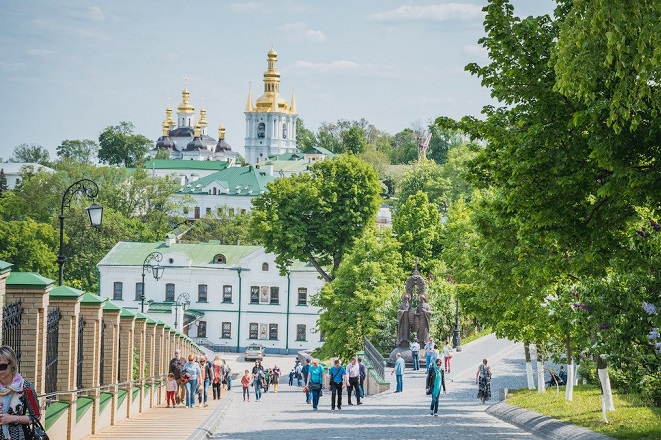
(417, 224)
(404, 147)
(353, 140)
(31, 153)
(29, 246)
(355, 303)
(223, 226)
(304, 138)
(120, 146)
(82, 151)
(329, 138)
(442, 141)
(316, 217)
(3, 181)
(427, 177)
(162, 154)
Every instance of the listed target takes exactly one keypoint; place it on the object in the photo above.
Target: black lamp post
(94, 212)
(456, 338)
(155, 269)
(179, 303)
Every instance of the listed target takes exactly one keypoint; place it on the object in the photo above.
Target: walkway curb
(211, 424)
(541, 425)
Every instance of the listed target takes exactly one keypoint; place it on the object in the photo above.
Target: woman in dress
(16, 396)
(315, 382)
(483, 379)
(435, 381)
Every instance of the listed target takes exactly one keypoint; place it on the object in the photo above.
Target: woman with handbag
(315, 382)
(435, 381)
(483, 379)
(447, 353)
(193, 369)
(18, 399)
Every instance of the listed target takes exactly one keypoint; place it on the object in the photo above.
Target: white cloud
(40, 52)
(300, 31)
(444, 12)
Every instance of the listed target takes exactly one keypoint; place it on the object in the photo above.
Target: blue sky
(69, 69)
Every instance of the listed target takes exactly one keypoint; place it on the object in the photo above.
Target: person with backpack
(435, 381)
(483, 380)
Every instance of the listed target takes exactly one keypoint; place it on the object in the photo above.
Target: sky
(69, 69)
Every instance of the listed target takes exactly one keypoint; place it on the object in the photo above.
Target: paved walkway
(388, 415)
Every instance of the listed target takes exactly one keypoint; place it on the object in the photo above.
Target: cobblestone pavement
(389, 415)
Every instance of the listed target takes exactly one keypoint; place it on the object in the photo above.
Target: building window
(202, 293)
(214, 193)
(197, 212)
(302, 296)
(254, 295)
(201, 329)
(300, 332)
(226, 330)
(254, 330)
(273, 331)
(117, 290)
(275, 295)
(261, 130)
(169, 292)
(284, 131)
(220, 259)
(265, 267)
(138, 291)
(227, 294)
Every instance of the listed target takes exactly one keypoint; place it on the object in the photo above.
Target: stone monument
(410, 319)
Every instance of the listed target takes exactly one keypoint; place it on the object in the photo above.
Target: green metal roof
(237, 181)
(4, 266)
(289, 166)
(91, 299)
(126, 313)
(319, 150)
(174, 164)
(126, 253)
(110, 306)
(17, 280)
(286, 156)
(64, 292)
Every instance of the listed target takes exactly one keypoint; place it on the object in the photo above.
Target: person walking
(176, 365)
(275, 378)
(435, 381)
(171, 388)
(429, 347)
(192, 369)
(17, 396)
(363, 375)
(206, 379)
(353, 373)
(315, 382)
(337, 375)
(258, 382)
(245, 382)
(483, 380)
(447, 353)
(398, 371)
(415, 354)
(218, 376)
(305, 371)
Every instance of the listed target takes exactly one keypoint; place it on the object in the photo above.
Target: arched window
(220, 259)
(261, 130)
(284, 131)
(265, 267)
(214, 191)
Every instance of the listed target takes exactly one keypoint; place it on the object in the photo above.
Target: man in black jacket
(176, 365)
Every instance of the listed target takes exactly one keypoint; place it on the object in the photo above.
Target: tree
(120, 146)
(305, 138)
(316, 217)
(29, 246)
(162, 154)
(31, 153)
(225, 227)
(3, 181)
(417, 225)
(442, 141)
(82, 151)
(404, 147)
(353, 140)
(355, 304)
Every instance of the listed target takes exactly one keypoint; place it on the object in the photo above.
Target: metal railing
(374, 358)
(11, 328)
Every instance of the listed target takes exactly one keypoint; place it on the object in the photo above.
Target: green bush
(587, 370)
(651, 391)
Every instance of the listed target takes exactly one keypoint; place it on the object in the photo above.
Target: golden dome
(221, 131)
(166, 128)
(168, 117)
(271, 100)
(185, 106)
(196, 130)
(203, 118)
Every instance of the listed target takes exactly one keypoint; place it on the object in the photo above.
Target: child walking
(245, 381)
(171, 388)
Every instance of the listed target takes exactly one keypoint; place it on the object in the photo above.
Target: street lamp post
(94, 212)
(155, 269)
(456, 338)
(179, 303)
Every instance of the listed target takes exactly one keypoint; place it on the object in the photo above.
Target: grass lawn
(630, 420)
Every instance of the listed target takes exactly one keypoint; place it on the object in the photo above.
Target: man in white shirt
(353, 373)
(415, 352)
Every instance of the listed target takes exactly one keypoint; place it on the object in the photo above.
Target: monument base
(405, 352)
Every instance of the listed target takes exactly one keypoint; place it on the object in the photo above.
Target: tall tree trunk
(605, 383)
(540, 369)
(569, 386)
(529, 375)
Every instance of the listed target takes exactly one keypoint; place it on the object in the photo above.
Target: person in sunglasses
(17, 397)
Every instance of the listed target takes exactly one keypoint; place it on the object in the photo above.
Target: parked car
(254, 352)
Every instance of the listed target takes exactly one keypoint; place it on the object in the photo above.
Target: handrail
(375, 359)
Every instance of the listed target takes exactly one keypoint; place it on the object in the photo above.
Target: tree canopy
(120, 146)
